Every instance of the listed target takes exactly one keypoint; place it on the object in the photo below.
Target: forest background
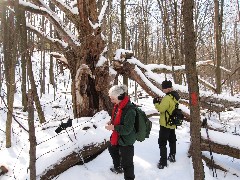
(197, 42)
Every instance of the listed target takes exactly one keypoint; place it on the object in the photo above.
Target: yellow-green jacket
(167, 104)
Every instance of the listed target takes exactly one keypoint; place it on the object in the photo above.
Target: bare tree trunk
(218, 34)
(168, 34)
(192, 78)
(158, 48)
(166, 29)
(145, 30)
(237, 49)
(43, 73)
(31, 76)
(32, 137)
(110, 39)
(51, 74)
(164, 50)
(20, 14)
(34, 90)
(236, 43)
(1, 79)
(123, 29)
(176, 60)
(123, 34)
(10, 56)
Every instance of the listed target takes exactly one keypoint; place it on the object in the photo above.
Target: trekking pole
(79, 153)
(68, 135)
(204, 124)
(210, 141)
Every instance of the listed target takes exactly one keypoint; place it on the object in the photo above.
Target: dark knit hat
(166, 84)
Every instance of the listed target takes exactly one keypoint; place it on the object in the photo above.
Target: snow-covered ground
(51, 146)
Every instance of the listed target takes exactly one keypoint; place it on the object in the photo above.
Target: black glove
(64, 126)
(155, 100)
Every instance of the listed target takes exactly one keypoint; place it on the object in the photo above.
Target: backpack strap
(166, 112)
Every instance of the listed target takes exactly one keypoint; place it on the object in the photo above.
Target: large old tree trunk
(88, 68)
(90, 82)
(90, 79)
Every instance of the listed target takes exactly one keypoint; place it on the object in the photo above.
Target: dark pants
(123, 156)
(166, 134)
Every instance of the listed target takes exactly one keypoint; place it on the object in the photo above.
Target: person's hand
(109, 122)
(156, 100)
(109, 127)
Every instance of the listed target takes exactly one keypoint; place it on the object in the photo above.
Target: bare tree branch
(236, 69)
(52, 17)
(72, 17)
(58, 44)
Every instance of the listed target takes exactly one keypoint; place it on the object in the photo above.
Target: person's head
(117, 93)
(166, 86)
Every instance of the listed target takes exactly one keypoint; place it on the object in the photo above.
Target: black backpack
(142, 124)
(176, 118)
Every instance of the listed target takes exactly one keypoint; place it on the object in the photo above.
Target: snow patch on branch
(228, 140)
(112, 71)
(148, 83)
(100, 17)
(47, 36)
(60, 57)
(102, 59)
(120, 54)
(71, 8)
(33, 6)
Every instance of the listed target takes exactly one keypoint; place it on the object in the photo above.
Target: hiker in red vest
(167, 131)
(123, 135)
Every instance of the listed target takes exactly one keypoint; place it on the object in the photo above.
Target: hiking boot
(161, 165)
(171, 158)
(118, 170)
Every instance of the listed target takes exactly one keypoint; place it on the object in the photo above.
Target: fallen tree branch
(220, 148)
(211, 164)
(74, 158)
(212, 102)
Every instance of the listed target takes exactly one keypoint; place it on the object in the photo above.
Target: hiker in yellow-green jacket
(167, 132)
